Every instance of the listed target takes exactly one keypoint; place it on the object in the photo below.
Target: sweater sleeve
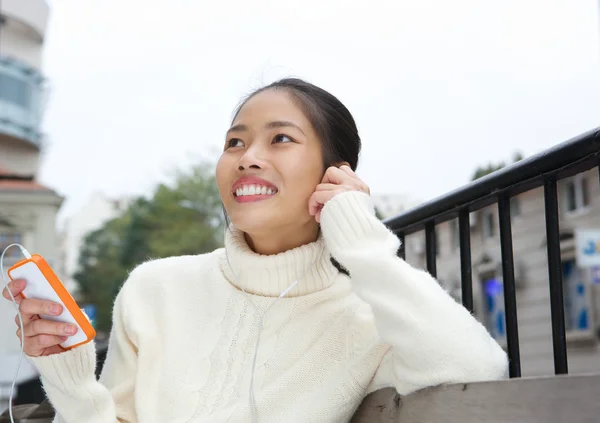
(70, 383)
(434, 339)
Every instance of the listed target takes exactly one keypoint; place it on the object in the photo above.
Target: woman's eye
(235, 142)
(280, 138)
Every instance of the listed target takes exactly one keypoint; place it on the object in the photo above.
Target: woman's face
(271, 164)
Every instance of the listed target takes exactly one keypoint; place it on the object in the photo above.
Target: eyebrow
(271, 125)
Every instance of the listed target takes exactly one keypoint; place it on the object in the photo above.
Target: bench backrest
(556, 399)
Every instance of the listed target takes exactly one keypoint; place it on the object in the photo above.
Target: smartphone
(43, 284)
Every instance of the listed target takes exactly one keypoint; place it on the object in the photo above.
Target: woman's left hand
(336, 181)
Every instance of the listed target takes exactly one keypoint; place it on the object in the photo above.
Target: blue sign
(90, 311)
(494, 290)
(587, 243)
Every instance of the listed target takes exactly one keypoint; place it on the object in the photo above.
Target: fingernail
(70, 330)
(55, 309)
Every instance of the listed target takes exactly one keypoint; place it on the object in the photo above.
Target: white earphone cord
(252, 398)
(6, 281)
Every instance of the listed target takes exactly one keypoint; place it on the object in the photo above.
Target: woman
(305, 311)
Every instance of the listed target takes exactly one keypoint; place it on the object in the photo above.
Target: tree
(185, 218)
(101, 272)
(482, 171)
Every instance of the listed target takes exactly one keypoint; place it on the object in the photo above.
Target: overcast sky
(139, 87)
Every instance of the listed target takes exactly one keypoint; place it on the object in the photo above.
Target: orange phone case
(80, 318)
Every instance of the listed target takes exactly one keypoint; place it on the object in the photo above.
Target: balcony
(20, 101)
(31, 13)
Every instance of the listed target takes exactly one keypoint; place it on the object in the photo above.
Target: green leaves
(482, 171)
(185, 218)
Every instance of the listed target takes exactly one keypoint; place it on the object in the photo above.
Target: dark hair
(331, 120)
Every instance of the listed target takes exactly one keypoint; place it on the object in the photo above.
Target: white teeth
(254, 190)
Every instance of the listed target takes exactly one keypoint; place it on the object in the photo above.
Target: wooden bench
(555, 399)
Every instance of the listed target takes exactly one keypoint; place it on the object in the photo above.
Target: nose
(242, 166)
(252, 159)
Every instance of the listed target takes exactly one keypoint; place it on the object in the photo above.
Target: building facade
(27, 208)
(579, 208)
(390, 205)
(91, 216)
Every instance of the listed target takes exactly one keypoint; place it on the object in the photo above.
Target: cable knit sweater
(184, 334)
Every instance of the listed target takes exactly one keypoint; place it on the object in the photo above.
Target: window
(515, 207)
(576, 297)
(577, 195)
(585, 192)
(7, 238)
(454, 234)
(495, 319)
(489, 224)
(15, 90)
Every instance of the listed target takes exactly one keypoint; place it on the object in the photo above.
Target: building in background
(27, 208)
(98, 210)
(579, 210)
(390, 205)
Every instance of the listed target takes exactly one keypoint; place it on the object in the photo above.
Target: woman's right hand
(42, 337)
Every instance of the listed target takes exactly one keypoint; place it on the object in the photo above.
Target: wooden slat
(555, 399)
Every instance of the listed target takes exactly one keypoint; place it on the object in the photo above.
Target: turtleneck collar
(270, 275)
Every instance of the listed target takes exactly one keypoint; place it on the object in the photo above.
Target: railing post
(430, 248)
(402, 249)
(464, 232)
(508, 276)
(555, 276)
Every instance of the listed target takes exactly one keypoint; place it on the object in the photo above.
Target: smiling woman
(269, 329)
(271, 144)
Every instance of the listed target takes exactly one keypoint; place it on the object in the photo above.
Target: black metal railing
(544, 169)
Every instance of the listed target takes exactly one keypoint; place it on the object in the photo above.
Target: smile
(249, 190)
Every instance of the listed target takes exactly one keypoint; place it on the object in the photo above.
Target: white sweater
(184, 334)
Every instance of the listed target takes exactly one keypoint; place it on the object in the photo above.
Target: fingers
(360, 185)
(36, 346)
(334, 175)
(327, 187)
(335, 181)
(344, 176)
(42, 337)
(30, 318)
(348, 171)
(319, 198)
(49, 327)
(31, 306)
(16, 287)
